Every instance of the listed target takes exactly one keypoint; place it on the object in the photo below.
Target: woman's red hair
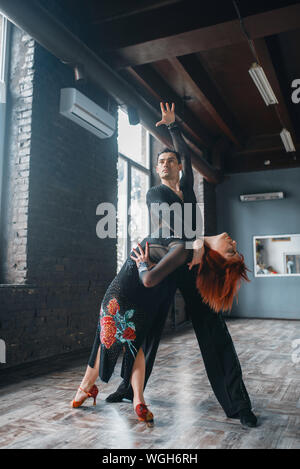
(219, 279)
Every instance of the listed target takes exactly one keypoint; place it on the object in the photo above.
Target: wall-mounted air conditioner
(266, 196)
(82, 110)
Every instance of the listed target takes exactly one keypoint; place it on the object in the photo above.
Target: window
(133, 184)
(4, 29)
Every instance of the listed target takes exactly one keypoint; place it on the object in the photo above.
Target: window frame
(4, 71)
(147, 171)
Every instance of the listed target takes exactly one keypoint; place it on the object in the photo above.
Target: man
(217, 349)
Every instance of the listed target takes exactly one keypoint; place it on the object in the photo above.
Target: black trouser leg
(219, 356)
(220, 359)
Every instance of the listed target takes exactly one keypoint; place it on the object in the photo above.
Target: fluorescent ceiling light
(287, 140)
(258, 76)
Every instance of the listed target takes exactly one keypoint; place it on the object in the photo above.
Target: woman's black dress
(129, 311)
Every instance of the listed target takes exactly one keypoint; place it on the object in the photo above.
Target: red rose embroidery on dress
(117, 327)
(108, 331)
(129, 334)
(113, 307)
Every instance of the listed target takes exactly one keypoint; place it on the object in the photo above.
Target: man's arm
(187, 178)
(168, 119)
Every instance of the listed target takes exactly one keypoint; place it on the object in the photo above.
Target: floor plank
(35, 412)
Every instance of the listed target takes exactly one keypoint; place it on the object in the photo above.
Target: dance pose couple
(135, 306)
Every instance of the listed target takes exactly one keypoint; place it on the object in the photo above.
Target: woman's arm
(176, 256)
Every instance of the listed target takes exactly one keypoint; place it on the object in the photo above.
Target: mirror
(277, 255)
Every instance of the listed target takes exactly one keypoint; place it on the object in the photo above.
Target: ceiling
(195, 54)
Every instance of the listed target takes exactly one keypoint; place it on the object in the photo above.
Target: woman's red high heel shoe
(144, 414)
(92, 393)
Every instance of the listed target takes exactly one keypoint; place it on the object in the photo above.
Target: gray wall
(262, 297)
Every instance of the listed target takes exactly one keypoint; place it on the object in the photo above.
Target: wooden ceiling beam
(193, 73)
(260, 144)
(112, 11)
(206, 38)
(59, 41)
(277, 159)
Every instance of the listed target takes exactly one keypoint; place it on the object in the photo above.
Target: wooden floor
(35, 412)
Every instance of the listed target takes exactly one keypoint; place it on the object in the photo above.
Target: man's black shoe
(247, 418)
(119, 396)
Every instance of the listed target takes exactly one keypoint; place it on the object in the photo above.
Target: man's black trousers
(219, 356)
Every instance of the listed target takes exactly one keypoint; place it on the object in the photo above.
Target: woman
(144, 287)
(128, 311)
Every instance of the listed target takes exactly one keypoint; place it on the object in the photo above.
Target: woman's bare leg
(137, 379)
(89, 378)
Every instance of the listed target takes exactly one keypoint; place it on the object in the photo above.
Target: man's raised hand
(167, 114)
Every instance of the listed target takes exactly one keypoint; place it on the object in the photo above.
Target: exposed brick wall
(40, 322)
(14, 213)
(72, 171)
(56, 179)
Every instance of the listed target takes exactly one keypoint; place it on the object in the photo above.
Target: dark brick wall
(55, 181)
(71, 172)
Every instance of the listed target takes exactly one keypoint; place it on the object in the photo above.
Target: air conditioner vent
(265, 196)
(82, 110)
